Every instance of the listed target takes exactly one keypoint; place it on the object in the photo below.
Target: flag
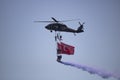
(65, 48)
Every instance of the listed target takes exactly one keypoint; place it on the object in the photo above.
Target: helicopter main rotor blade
(44, 21)
(54, 19)
(64, 20)
(69, 20)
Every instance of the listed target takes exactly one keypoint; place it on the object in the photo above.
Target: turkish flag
(65, 48)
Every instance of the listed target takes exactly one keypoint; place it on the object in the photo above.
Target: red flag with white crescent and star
(65, 48)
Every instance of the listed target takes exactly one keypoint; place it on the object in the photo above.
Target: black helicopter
(57, 26)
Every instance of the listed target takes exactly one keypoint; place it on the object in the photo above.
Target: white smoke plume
(91, 70)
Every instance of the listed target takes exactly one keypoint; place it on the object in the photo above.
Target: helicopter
(56, 25)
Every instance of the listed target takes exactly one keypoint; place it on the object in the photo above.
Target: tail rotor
(81, 25)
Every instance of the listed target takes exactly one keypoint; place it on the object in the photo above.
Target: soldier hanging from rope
(58, 37)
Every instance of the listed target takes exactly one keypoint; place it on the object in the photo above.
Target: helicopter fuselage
(60, 27)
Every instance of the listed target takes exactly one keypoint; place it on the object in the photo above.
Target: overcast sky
(28, 50)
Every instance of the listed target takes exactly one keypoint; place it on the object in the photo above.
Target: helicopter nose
(46, 27)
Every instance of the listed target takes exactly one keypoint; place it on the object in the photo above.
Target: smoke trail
(91, 70)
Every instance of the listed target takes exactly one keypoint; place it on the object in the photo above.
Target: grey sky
(28, 50)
